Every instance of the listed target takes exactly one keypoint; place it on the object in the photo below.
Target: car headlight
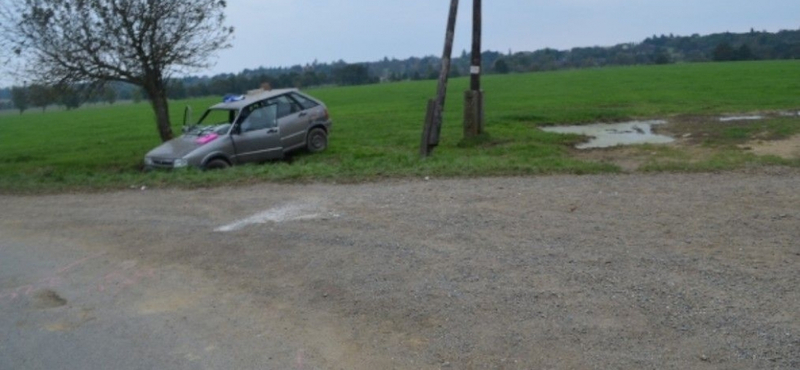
(180, 163)
(148, 161)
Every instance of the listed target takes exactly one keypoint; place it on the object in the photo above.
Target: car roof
(252, 97)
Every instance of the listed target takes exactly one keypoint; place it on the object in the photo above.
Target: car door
(293, 122)
(257, 136)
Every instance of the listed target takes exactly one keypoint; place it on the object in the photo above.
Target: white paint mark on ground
(289, 212)
(741, 118)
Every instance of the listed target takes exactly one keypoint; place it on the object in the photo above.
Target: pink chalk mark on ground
(124, 278)
(78, 263)
(299, 359)
(48, 282)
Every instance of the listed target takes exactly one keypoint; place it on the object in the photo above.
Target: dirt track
(669, 271)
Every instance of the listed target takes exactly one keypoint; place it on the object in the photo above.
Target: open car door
(256, 136)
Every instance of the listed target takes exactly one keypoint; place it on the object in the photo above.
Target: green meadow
(377, 129)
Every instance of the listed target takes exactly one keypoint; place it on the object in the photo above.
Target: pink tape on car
(206, 139)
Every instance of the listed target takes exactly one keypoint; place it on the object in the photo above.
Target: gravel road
(662, 271)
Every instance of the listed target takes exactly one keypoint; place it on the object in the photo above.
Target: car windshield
(216, 117)
(216, 121)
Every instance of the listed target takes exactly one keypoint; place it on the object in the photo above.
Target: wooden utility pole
(433, 118)
(473, 99)
(477, 25)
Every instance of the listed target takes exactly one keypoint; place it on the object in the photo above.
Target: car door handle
(272, 131)
(303, 114)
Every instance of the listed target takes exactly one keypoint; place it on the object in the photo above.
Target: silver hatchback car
(256, 127)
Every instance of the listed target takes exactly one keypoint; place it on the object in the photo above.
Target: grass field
(377, 129)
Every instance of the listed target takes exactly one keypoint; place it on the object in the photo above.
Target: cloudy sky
(288, 32)
(273, 33)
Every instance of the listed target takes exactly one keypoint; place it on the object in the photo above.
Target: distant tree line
(70, 97)
(663, 49)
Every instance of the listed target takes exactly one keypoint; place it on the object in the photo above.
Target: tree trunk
(158, 99)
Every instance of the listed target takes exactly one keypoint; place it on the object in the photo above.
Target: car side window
(259, 118)
(284, 109)
(286, 106)
(304, 102)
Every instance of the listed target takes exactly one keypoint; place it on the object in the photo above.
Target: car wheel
(217, 164)
(317, 140)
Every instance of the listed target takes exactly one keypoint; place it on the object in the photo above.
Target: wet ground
(609, 135)
(606, 135)
(683, 141)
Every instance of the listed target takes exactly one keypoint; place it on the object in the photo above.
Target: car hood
(175, 148)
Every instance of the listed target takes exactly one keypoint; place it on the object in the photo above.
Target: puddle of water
(605, 135)
(741, 118)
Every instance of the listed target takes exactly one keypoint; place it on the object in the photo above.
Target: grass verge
(377, 130)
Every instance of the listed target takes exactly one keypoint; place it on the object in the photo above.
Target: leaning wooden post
(473, 99)
(433, 118)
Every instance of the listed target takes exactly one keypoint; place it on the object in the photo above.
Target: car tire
(217, 164)
(317, 140)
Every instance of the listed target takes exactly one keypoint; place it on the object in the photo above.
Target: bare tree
(142, 42)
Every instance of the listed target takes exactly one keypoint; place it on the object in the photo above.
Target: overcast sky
(274, 33)
(287, 32)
